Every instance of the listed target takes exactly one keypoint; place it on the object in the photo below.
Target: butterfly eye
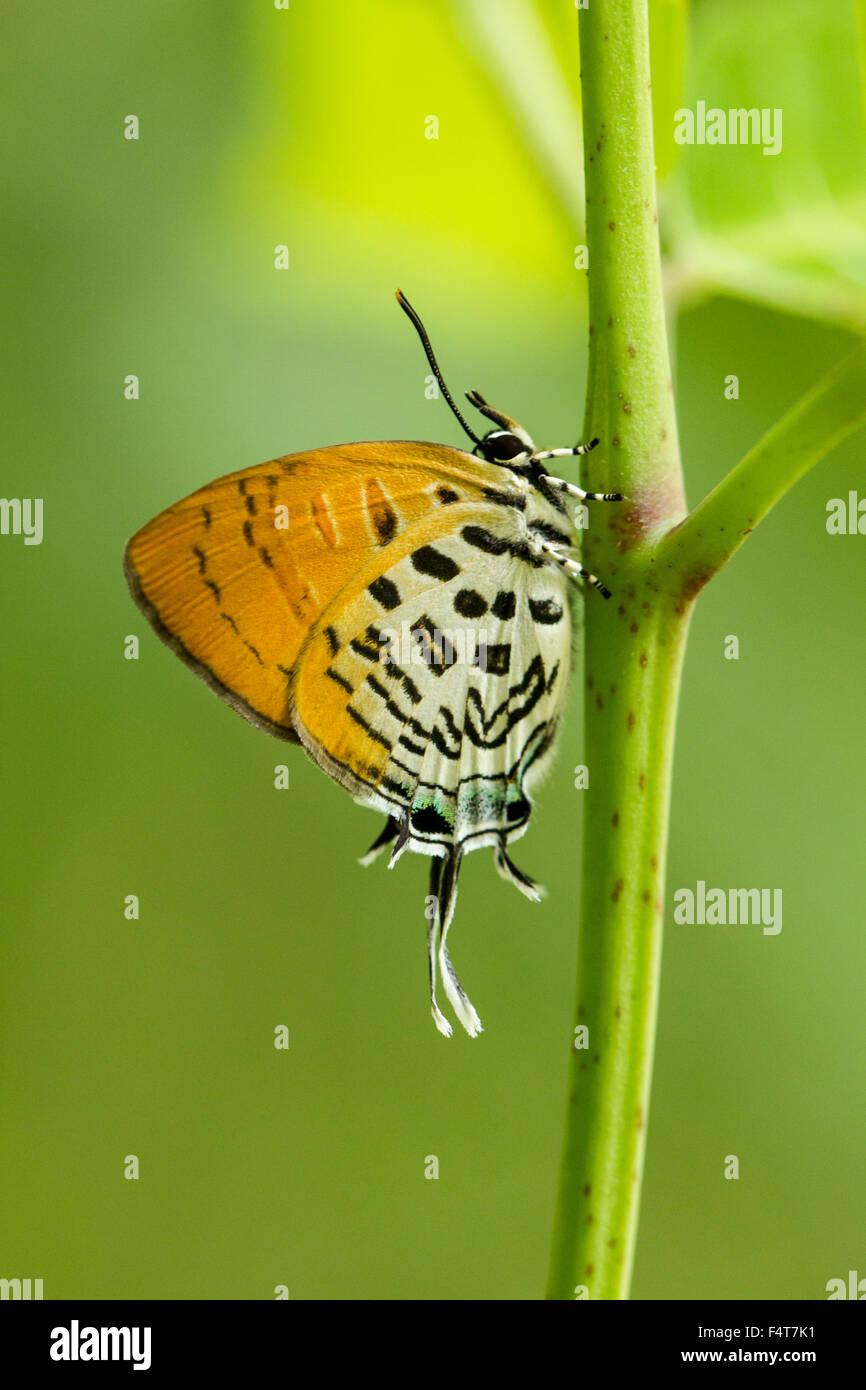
(501, 446)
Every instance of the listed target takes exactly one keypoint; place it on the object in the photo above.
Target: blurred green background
(155, 1037)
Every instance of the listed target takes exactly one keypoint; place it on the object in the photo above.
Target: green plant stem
(633, 653)
(655, 560)
(629, 737)
(708, 537)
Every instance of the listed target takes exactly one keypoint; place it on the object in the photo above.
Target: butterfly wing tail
(433, 923)
(381, 843)
(446, 901)
(508, 870)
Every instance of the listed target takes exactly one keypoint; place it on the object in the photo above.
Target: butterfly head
(506, 446)
(508, 443)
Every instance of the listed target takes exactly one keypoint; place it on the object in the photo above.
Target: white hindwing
(455, 663)
(459, 661)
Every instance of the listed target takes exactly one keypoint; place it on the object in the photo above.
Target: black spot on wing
(490, 544)
(368, 728)
(494, 658)
(417, 748)
(470, 604)
(362, 649)
(335, 676)
(479, 539)
(396, 788)
(428, 821)
(385, 592)
(428, 560)
(504, 604)
(505, 499)
(550, 533)
(517, 810)
(248, 499)
(446, 495)
(545, 610)
(432, 646)
(372, 646)
(409, 686)
(384, 520)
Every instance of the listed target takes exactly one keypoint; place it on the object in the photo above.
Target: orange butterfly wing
(236, 576)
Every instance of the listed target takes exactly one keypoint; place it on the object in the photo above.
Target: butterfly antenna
(431, 358)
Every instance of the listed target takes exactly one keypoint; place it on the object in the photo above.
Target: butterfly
(403, 611)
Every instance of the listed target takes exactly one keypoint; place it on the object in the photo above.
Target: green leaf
(785, 229)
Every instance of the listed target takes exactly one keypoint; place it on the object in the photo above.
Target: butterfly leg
(572, 568)
(571, 488)
(574, 491)
(566, 453)
(432, 913)
(446, 900)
